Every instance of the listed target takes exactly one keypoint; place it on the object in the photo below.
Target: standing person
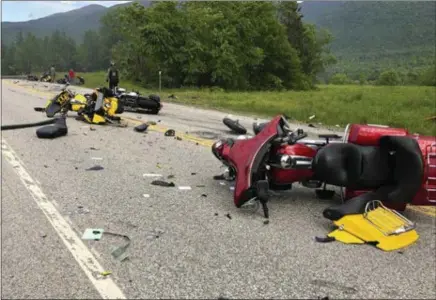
(71, 76)
(112, 76)
(52, 73)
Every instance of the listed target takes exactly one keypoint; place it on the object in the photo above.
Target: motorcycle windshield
(247, 156)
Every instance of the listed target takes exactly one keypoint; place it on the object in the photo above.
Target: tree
(389, 77)
(339, 78)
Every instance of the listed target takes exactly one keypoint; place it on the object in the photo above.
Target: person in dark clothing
(112, 76)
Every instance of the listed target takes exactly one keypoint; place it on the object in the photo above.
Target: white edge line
(106, 287)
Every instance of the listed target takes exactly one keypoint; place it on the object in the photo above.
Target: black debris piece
(141, 128)
(170, 176)
(219, 177)
(326, 239)
(92, 128)
(203, 195)
(196, 144)
(151, 123)
(163, 183)
(172, 96)
(44, 236)
(400, 252)
(266, 222)
(95, 168)
(193, 173)
(76, 168)
(92, 148)
(311, 125)
(216, 214)
(200, 185)
(178, 138)
(229, 216)
(45, 166)
(158, 121)
(170, 132)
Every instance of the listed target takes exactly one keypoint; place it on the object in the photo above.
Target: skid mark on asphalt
(86, 260)
(426, 210)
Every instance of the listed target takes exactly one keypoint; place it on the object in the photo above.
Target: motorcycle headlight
(285, 161)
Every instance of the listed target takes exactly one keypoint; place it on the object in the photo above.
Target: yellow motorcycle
(102, 108)
(63, 102)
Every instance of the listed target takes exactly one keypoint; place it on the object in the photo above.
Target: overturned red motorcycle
(371, 162)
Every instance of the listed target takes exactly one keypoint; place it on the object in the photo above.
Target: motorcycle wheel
(234, 126)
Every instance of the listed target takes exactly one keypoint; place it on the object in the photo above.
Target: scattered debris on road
(105, 273)
(92, 234)
(204, 195)
(229, 216)
(163, 183)
(141, 128)
(184, 188)
(146, 195)
(151, 175)
(170, 132)
(95, 168)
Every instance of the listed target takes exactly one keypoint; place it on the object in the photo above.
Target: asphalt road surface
(184, 243)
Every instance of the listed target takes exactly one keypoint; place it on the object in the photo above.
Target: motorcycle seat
(407, 171)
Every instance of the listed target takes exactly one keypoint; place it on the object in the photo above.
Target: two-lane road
(184, 243)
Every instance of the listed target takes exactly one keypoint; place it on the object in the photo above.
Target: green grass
(401, 106)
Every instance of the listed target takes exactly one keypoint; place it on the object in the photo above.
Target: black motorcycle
(134, 101)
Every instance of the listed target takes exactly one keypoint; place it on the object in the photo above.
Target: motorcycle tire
(234, 126)
(147, 103)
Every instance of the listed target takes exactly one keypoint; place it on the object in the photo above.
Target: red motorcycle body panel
(286, 176)
(369, 135)
(243, 155)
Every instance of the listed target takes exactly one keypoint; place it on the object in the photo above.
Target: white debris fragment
(311, 117)
(184, 187)
(151, 175)
(146, 195)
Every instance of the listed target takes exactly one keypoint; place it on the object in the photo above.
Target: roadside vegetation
(219, 55)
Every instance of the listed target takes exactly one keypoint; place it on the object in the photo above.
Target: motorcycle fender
(97, 119)
(373, 231)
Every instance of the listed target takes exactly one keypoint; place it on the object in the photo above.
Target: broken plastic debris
(170, 176)
(146, 195)
(96, 158)
(222, 183)
(184, 187)
(92, 234)
(141, 128)
(170, 132)
(311, 117)
(105, 273)
(232, 188)
(95, 168)
(151, 175)
(163, 183)
(229, 216)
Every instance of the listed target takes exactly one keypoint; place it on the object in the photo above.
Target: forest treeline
(232, 45)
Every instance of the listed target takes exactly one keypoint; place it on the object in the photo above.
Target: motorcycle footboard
(378, 225)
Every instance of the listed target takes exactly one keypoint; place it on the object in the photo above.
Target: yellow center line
(427, 210)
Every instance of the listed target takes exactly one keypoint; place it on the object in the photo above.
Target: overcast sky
(17, 11)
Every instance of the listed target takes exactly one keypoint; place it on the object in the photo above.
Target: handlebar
(291, 138)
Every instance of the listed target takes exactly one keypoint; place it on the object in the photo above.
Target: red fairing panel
(244, 155)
